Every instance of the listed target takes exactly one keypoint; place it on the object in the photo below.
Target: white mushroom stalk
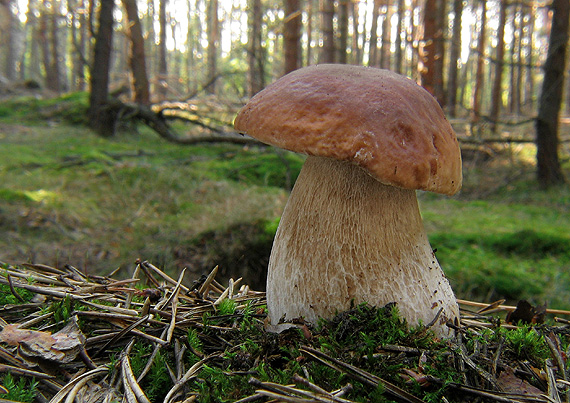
(345, 238)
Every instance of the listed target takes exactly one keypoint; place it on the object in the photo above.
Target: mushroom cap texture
(377, 119)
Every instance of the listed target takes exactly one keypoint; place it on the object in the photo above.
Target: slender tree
(399, 32)
(342, 49)
(385, 55)
(496, 99)
(100, 119)
(454, 54)
(292, 35)
(213, 27)
(356, 51)
(373, 58)
(162, 65)
(431, 50)
(476, 114)
(327, 27)
(10, 28)
(255, 50)
(549, 172)
(137, 59)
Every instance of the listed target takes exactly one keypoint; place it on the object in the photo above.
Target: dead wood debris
(87, 355)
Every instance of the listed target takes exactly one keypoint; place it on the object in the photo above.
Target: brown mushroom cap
(377, 119)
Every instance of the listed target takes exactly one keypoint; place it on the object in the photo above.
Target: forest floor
(70, 197)
(78, 204)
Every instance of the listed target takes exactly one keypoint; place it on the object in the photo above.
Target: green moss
(20, 389)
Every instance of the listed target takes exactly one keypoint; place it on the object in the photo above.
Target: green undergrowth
(18, 389)
(68, 196)
(69, 108)
(231, 348)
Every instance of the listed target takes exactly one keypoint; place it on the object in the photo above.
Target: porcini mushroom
(351, 231)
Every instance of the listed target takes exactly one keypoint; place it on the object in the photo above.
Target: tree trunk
(356, 51)
(529, 59)
(213, 27)
(514, 99)
(496, 98)
(342, 8)
(399, 33)
(431, 51)
(255, 51)
(292, 35)
(309, 56)
(476, 114)
(385, 56)
(137, 59)
(10, 28)
(100, 119)
(162, 66)
(454, 54)
(327, 28)
(549, 172)
(373, 58)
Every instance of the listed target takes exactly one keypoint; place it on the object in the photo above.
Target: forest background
(183, 68)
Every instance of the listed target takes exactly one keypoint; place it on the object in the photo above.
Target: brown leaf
(513, 384)
(526, 313)
(62, 346)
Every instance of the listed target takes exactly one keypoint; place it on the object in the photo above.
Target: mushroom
(351, 231)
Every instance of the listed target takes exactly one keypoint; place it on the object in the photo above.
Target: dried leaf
(62, 346)
(513, 384)
(526, 313)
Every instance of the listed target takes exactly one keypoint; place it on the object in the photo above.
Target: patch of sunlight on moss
(41, 196)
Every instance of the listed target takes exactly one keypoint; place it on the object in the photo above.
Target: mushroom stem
(345, 237)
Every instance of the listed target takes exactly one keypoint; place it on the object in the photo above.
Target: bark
(56, 83)
(385, 56)
(255, 54)
(373, 43)
(342, 31)
(137, 59)
(9, 25)
(496, 99)
(100, 119)
(309, 8)
(162, 66)
(514, 101)
(292, 35)
(327, 15)
(454, 54)
(431, 52)
(529, 59)
(399, 33)
(476, 114)
(213, 27)
(549, 172)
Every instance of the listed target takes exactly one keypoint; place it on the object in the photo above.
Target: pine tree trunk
(480, 65)
(255, 54)
(373, 43)
(162, 65)
(398, 42)
(213, 27)
(292, 35)
(327, 28)
(137, 59)
(454, 54)
(342, 8)
(432, 49)
(496, 99)
(100, 119)
(549, 172)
